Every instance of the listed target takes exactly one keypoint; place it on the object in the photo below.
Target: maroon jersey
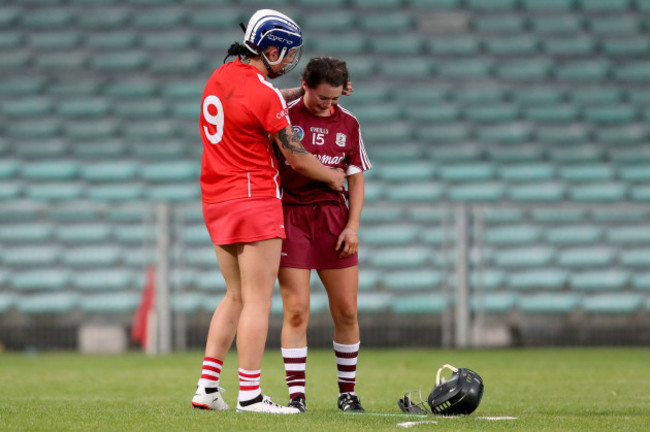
(334, 140)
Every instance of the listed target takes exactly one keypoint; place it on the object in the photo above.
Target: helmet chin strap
(269, 69)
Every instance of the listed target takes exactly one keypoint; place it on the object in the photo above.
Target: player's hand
(347, 91)
(337, 182)
(347, 243)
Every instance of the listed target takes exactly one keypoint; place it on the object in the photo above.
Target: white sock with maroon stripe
(295, 363)
(249, 384)
(346, 364)
(210, 373)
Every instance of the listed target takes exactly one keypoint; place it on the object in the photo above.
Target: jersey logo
(340, 139)
(298, 130)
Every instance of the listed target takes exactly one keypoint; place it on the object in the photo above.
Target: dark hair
(239, 50)
(325, 69)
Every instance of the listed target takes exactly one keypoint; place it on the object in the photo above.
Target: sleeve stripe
(272, 87)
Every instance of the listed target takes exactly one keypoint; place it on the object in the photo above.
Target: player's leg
(221, 333)
(342, 287)
(294, 287)
(258, 265)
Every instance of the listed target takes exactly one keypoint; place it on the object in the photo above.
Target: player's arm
(306, 163)
(348, 241)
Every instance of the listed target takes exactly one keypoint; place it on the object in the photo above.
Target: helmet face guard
(459, 395)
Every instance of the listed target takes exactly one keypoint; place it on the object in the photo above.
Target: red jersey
(334, 140)
(239, 110)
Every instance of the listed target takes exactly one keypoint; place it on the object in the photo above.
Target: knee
(296, 317)
(345, 316)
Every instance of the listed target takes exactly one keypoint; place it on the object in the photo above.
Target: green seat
(557, 114)
(499, 23)
(456, 45)
(580, 154)
(377, 113)
(7, 302)
(82, 130)
(399, 22)
(583, 71)
(437, 236)
(400, 257)
(507, 154)
(131, 88)
(113, 303)
(124, 61)
(118, 170)
(55, 191)
(491, 113)
(494, 303)
(211, 280)
(24, 108)
(522, 45)
(9, 168)
(361, 66)
(162, 150)
(455, 133)
(622, 135)
(128, 212)
(407, 171)
(184, 63)
(325, 4)
(377, 4)
(112, 41)
(613, 304)
(633, 47)
(84, 108)
(196, 235)
(416, 68)
(465, 68)
(432, 114)
(492, 6)
(391, 234)
(145, 110)
(116, 279)
(574, 235)
(368, 279)
(210, 21)
(479, 95)
(605, 6)
(104, 18)
(26, 233)
(632, 72)
(527, 172)
(159, 18)
(168, 40)
(524, 70)
(340, 45)
(599, 192)
(188, 302)
(504, 133)
(76, 212)
(52, 279)
(116, 192)
(414, 192)
(572, 46)
(46, 18)
(31, 256)
(62, 62)
(537, 192)
(638, 155)
(629, 235)
(467, 172)
(455, 154)
(21, 85)
(593, 257)
(181, 170)
(556, 24)
(426, 214)
(635, 258)
(562, 134)
(590, 96)
(587, 172)
(477, 192)
(48, 304)
(641, 281)
(30, 130)
(367, 302)
(558, 216)
(387, 133)
(51, 41)
(395, 157)
(611, 115)
(83, 233)
(543, 279)
(154, 130)
(436, 4)
(521, 234)
(50, 170)
(537, 96)
(502, 216)
(432, 304)
(92, 256)
(534, 256)
(135, 234)
(174, 192)
(635, 173)
(600, 280)
(381, 213)
(549, 304)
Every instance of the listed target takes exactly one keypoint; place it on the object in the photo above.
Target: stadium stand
(529, 114)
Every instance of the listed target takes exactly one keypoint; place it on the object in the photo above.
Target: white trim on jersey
(362, 148)
(272, 87)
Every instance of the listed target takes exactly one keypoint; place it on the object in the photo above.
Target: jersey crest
(298, 130)
(341, 138)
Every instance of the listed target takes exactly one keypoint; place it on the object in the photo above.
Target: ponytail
(239, 50)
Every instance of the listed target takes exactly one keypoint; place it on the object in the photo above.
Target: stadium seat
(632, 72)
(92, 256)
(341, 45)
(535, 256)
(50, 170)
(640, 193)
(113, 303)
(527, 172)
(538, 192)
(543, 279)
(558, 216)
(21, 85)
(27, 107)
(51, 279)
(614, 216)
(604, 6)
(122, 40)
(631, 47)
(549, 304)
(373, 303)
(174, 192)
(432, 304)
(600, 172)
(400, 257)
(635, 258)
(493, 303)
(115, 279)
(57, 191)
(46, 18)
(586, 257)
(377, 4)
(574, 235)
(453, 45)
(507, 154)
(524, 70)
(612, 304)
(368, 279)
(196, 235)
(499, 23)
(391, 234)
(398, 156)
(26, 233)
(523, 45)
(512, 235)
(83, 233)
(635, 173)
(476, 68)
(136, 234)
(599, 280)
(422, 280)
(416, 68)
(426, 214)
(570, 47)
(7, 302)
(211, 280)
(583, 71)
(437, 236)
(120, 62)
(116, 170)
(426, 192)
(184, 63)
(477, 192)
(611, 115)
(130, 110)
(555, 114)
(48, 304)
(556, 24)
(629, 235)
(177, 171)
(641, 281)
(504, 215)
(599, 192)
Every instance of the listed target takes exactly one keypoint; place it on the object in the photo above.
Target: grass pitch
(546, 389)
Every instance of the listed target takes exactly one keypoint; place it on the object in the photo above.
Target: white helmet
(268, 27)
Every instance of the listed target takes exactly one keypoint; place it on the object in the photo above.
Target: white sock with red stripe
(210, 373)
(249, 384)
(346, 365)
(295, 363)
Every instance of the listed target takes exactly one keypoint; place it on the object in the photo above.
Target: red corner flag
(140, 331)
